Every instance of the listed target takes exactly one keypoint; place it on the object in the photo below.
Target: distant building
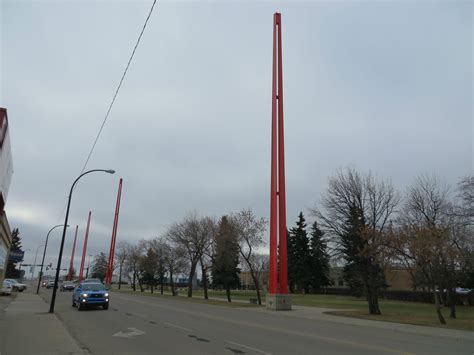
(246, 281)
(6, 172)
(396, 277)
(336, 277)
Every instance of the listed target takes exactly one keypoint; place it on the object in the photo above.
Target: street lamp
(58, 268)
(34, 264)
(44, 254)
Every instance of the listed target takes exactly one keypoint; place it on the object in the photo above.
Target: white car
(462, 291)
(17, 286)
(6, 288)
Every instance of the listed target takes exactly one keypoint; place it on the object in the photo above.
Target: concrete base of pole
(278, 302)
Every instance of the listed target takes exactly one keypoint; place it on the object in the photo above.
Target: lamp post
(34, 264)
(44, 254)
(53, 298)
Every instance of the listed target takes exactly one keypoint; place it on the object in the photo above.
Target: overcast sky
(381, 86)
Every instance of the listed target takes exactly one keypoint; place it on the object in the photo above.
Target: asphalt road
(148, 325)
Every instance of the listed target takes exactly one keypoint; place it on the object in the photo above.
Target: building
(397, 278)
(246, 281)
(6, 172)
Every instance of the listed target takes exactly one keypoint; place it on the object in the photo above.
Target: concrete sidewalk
(26, 328)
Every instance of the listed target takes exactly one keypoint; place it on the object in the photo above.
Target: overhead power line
(115, 95)
(118, 88)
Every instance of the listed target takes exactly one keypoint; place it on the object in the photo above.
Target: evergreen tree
(319, 258)
(100, 267)
(11, 271)
(149, 264)
(225, 272)
(299, 259)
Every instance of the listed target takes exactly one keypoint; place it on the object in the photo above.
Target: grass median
(181, 297)
(392, 311)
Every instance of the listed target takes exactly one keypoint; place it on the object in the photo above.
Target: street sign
(16, 256)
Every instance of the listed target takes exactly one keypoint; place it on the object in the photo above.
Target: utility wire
(115, 94)
(118, 88)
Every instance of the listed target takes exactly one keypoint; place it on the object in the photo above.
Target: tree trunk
(140, 284)
(134, 282)
(190, 280)
(172, 283)
(438, 307)
(227, 290)
(204, 279)
(120, 276)
(162, 286)
(151, 287)
(452, 303)
(257, 286)
(373, 300)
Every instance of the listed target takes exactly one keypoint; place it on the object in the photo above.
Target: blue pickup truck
(90, 294)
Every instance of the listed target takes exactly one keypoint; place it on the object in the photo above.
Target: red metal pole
(84, 248)
(108, 278)
(278, 273)
(273, 267)
(71, 263)
(283, 272)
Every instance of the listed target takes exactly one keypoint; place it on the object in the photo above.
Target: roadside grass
(392, 311)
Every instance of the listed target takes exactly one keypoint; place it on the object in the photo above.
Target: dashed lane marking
(177, 326)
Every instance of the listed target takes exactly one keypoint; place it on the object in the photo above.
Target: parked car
(17, 286)
(67, 286)
(462, 290)
(90, 294)
(50, 284)
(7, 288)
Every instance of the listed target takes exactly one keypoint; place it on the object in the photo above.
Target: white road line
(177, 326)
(248, 347)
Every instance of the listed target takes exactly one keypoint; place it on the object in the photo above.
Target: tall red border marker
(71, 263)
(84, 248)
(110, 266)
(277, 298)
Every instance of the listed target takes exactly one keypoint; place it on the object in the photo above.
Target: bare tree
(433, 238)
(250, 230)
(123, 248)
(466, 197)
(209, 230)
(158, 245)
(132, 263)
(356, 214)
(192, 235)
(175, 262)
(259, 264)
